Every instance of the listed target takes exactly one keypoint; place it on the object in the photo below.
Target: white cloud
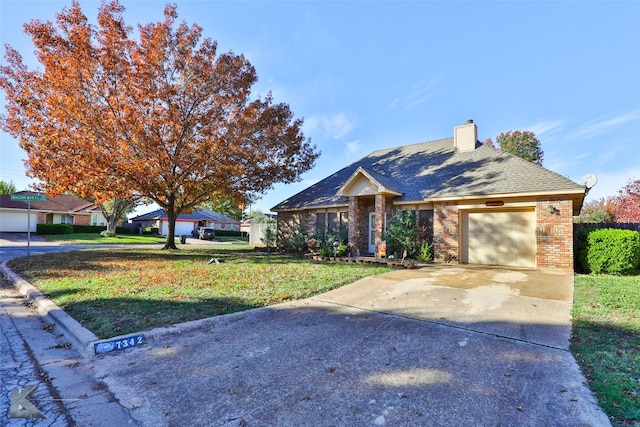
(605, 124)
(335, 126)
(545, 127)
(353, 147)
(421, 93)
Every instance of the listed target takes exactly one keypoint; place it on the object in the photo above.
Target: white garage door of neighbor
(500, 238)
(182, 227)
(13, 222)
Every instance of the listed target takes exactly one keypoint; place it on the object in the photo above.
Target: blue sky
(371, 75)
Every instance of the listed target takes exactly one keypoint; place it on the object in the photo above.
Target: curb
(81, 338)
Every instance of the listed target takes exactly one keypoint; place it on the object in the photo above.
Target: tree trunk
(171, 232)
(111, 223)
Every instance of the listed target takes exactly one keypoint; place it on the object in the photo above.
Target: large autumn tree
(162, 117)
(628, 203)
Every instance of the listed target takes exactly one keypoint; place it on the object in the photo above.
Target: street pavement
(440, 346)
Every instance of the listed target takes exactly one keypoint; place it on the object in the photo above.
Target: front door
(372, 232)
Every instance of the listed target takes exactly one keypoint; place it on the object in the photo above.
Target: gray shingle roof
(433, 170)
(196, 215)
(62, 203)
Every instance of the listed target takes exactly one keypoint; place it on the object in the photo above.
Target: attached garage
(16, 222)
(505, 237)
(182, 227)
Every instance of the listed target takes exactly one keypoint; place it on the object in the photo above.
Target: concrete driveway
(439, 346)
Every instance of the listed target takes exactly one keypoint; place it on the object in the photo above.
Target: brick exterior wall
(554, 230)
(554, 233)
(77, 218)
(82, 219)
(445, 232)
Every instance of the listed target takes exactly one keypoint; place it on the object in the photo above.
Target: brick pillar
(445, 232)
(380, 209)
(554, 233)
(353, 230)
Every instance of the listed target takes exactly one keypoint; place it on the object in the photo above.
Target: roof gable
(363, 183)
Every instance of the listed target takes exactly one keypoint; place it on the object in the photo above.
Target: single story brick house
(62, 209)
(481, 205)
(186, 223)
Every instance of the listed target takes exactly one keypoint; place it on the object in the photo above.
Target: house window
(344, 221)
(66, 219)
(321, 225)
(98, 219)
(425, 225)
(332, 219)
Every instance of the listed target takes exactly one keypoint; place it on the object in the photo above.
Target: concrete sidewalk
(441, 346)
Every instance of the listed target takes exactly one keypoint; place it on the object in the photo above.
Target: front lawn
(114, 292)
(606, 342)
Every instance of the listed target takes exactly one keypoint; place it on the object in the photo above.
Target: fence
(621, 225)
(257, 232)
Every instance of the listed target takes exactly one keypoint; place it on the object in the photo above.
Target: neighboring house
(54, 210)
(481, 205)
(186, 223)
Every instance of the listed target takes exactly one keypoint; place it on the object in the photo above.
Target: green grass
(113, 292)
(97, 239)
(606, 342)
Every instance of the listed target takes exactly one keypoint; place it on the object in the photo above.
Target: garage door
(499, 238)
(13, 222)
(182, 227)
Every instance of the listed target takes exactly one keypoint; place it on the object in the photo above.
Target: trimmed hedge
(54, 228)
(609, 251)
(227, 232)
(123, 230)
(88, 228)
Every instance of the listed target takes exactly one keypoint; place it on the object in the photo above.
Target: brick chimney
(465, 137)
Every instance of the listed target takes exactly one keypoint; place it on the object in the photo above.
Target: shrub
(402, 234)
(106, 233)
(150, 230)
(88, 228)
(269, 238)
(123, 230)
(294, 242)
(342, 249)
(234, 233)
(609, 251)
(54, 229)
(426, 252)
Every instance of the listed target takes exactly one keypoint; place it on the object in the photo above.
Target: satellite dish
(588, 181)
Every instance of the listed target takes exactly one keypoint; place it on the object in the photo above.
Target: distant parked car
(207, 234)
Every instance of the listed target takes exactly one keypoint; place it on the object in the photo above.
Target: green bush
(150, 230)
(402, 235)
(123, 230)
(232, 233)
(54, 229)
(609, 251)
(88, 228)
(342, 249)
(426, 252)
(295, 242)
(106, 233)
